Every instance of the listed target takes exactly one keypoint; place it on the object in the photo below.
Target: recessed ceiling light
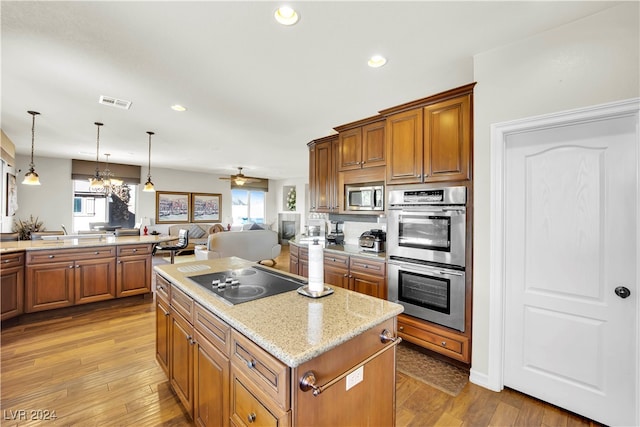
(178, 107)
(286, 15)
(377, 61)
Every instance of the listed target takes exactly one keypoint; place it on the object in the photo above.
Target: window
(248, 206)
(90, 208)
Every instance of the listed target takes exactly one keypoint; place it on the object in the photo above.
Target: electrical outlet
(355, 377)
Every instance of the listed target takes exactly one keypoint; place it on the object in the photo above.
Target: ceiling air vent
(114, 102)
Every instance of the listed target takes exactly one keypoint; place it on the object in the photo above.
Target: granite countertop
(291, 327)
(73, 243)
(340, 249)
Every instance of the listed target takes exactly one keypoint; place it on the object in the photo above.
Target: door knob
(622, 291)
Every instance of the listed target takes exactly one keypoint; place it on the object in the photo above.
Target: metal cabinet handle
(308, 380)
(6, 261)
(386, 336)
(443, 343)
(52, 256)
(135, 250)
(71, 266)
(251, 417)
(251, 364)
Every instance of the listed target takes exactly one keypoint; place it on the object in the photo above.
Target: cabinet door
(181, 360)
(95, 280)
(134, 275)
(11, 292)
(350, 149)
(211, 385)
(49, 286)
(323, 178)
(373, 145)
(312, 178)
(333, 178)
(336, 277)
(163, 324)
(294, 264)
(368, 284)
(447, 140)
(404, 147)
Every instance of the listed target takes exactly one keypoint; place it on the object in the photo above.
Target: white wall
(587, 62)
(52, 201)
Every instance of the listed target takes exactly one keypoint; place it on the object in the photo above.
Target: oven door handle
(416, 269)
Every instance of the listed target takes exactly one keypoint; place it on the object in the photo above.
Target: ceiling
(256, 92)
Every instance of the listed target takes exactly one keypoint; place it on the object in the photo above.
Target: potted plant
(24, 228)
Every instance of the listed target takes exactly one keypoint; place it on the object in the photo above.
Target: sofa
(252, 245)
(198, 233)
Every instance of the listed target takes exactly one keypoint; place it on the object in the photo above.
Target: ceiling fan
(241, 179)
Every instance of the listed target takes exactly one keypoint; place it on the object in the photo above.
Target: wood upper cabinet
(11, 285)
(430, 140)
(362, 146)
(404, 147)
(447, 140)
(323, 174)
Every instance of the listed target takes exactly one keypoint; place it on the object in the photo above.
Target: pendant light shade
(95, 182)
(148, 186)
(31, 177)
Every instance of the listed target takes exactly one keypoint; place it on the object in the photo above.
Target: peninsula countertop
(345, 249)
(82, 242)
(291, 327)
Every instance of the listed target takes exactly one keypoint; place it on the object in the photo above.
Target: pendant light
(95, 182)
(148, 186)
(31, 177)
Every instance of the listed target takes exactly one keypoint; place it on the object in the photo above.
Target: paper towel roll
(316, 267)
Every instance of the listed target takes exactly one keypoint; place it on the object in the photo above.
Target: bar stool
(183, 242)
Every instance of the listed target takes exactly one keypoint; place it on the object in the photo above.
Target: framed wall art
(206, 207)
(172, 207)
(11, 199)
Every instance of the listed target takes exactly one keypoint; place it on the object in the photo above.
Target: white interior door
(570, 240)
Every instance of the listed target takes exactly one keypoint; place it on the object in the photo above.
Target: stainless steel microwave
(364, 197)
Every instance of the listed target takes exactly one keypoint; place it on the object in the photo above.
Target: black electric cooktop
(247, 284)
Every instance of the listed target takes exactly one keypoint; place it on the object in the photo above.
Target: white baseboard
(482, 380)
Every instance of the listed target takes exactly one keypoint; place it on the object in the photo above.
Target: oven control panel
(428, 196)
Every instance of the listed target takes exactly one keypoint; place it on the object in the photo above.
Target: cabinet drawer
(448, 345)
(303, 254)
(334, 260)
(182, 303)
(12, 260)
(128, 250)
(266, 372)
(368, 266)
(213, 329)
(163, 288)
(246, 409)
(65, 255)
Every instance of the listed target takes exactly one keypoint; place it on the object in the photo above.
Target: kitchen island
(43, 275)
(286, 359)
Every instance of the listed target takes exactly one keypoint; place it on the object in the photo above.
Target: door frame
(499, 134)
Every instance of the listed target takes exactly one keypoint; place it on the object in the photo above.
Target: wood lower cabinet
(359, 274)
(11, 285)
(163, 323)
(66, 277)
(299, 260)
(133, 270)
(196, 354)
(342, 402)
(435, 338)
(260, 386)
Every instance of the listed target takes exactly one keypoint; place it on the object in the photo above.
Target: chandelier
(32, 178)
(104, 181)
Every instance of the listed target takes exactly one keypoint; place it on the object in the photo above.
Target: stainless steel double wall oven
(426, 235)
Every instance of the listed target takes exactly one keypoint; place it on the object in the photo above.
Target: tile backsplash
(353, 230)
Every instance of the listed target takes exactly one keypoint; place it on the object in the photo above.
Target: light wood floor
(96, 366)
